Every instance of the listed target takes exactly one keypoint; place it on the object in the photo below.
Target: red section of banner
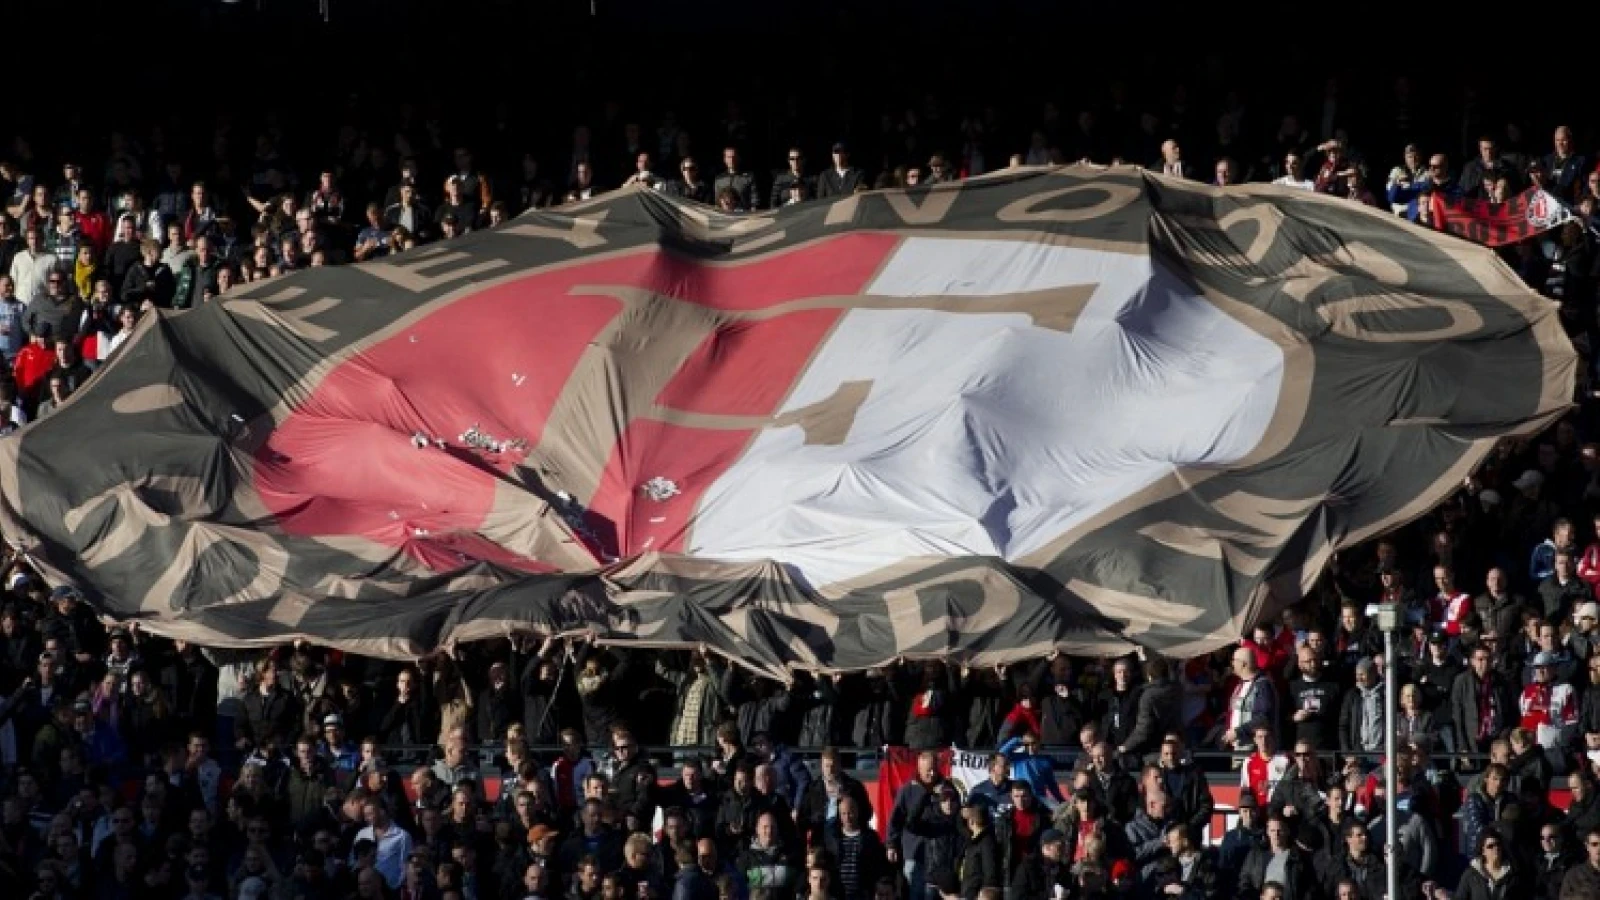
(1495, 224)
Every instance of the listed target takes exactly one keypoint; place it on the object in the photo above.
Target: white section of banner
(983, 434)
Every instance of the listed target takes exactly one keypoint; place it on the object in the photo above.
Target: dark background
(811, 72)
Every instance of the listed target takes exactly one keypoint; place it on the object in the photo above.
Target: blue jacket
(1036, 769)
(1543, 563)
(791, 775)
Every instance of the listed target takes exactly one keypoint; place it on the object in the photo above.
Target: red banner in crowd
(898, 767)
(1495, 224)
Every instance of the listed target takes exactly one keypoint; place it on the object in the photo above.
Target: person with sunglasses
(1493, 873)
(1583, 879)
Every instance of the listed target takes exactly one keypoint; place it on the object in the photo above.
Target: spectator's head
(1249, 812)
(375, 813)
(571, 744)
(1244, 663)
(767, 830)
(625, 746)
(1280, 835)
(1156, 806)
(706, 855)
(593, 816)
(1356, 839)
(849, 813)
(1021, 795)
(1482, 656)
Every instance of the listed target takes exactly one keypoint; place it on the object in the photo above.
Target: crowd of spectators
(137, 767)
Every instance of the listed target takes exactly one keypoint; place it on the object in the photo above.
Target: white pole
(1391, 852)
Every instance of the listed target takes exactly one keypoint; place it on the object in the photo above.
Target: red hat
(1121, 869)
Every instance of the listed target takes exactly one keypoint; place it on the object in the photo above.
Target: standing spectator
(843, 179)
(734, 178)
(1564, 167)
(1362, 723)
(905, 846)
(1264, 768)
(31, 268)
(1253, 702)
(1481, 706)
(391, 844)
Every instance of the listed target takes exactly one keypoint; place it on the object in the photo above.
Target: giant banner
(1066, 409)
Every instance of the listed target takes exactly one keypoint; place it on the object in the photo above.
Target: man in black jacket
(1157, 711)
(268, 710)
(1279, 861)
(1117, 705)
(793, 185)
(736, 179)
(1185, 786)
(841, 180)
(634, 782)
(905, 846)
(849, 840)
(1018, 833)
(1313, 702)
(819, 807)
(1481, 703)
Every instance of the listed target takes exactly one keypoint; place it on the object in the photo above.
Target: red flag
(898, 767)
(1494, 224)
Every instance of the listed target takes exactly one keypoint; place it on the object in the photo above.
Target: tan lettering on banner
(1114, 197)
(583, 235)
(410, 274)
(1267, 523)
(1001, 601)
(296, 320)
(931, 211)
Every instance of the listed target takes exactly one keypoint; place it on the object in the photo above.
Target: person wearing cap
(102, 745)
(1548, 708)
(335, 747)
(1583, 639)
(1055, 868)
(1246, 834)
(938, 820)
(842, 179)
(981, 858)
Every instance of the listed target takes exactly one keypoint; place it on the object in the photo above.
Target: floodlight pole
(1387, 616)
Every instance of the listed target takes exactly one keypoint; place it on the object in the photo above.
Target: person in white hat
(1547, 707)
(1582, 639)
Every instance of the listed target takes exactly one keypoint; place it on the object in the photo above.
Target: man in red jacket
(1589, 562)
(93, 223)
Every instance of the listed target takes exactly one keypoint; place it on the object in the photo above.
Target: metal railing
(1218, 765)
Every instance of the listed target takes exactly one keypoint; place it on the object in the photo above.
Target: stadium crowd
(137, 767)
